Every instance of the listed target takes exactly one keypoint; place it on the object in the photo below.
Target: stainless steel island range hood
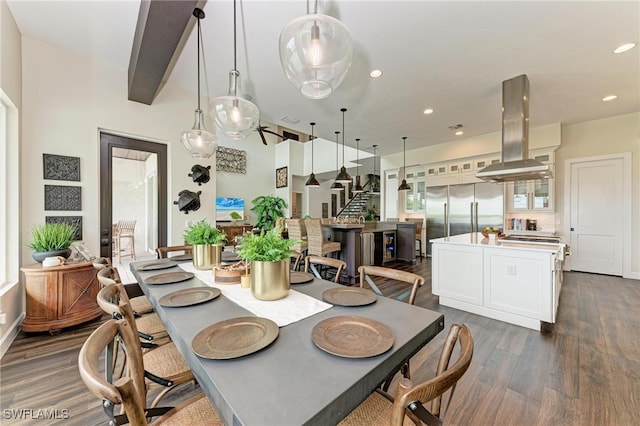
(515, 163)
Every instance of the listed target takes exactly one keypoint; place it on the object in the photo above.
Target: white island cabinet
(515, 283)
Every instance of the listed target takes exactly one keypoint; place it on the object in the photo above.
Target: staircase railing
(368, 184)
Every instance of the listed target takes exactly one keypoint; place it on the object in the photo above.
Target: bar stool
(317, 246)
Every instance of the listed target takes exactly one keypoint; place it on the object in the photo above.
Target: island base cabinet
(60, 296)
(514, 286)
(457, 273)
(519, 284)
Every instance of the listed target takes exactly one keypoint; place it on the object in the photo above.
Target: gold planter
(270, 280)
(206, 256)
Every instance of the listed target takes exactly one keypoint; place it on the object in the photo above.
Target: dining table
(293, 380)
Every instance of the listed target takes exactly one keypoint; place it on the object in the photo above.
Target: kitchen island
(372, 243)
(518, 283)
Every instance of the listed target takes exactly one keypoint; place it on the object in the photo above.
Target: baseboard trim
(11, 335)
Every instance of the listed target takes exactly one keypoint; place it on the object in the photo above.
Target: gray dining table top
(292, 381)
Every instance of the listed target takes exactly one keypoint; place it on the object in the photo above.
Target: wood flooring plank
(586, 373)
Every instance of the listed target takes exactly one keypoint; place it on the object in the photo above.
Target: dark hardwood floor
(587, 372)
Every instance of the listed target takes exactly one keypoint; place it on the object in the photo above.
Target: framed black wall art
(61, 167)
(59, 197)
(281, 177)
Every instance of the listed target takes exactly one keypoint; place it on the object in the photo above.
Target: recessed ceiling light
(624, 47)
(428, 111)
(459, 132)
(609, 98)
(375, 73)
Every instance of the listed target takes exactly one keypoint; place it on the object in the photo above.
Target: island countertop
(479, 240)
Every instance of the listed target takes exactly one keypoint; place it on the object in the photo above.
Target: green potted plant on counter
(51, 240)
(269, 209)
(269, 256)
(207, 242)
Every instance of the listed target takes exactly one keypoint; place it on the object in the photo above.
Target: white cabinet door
(457, 272)
(519, 282)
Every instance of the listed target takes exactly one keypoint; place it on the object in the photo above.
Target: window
(9, 215)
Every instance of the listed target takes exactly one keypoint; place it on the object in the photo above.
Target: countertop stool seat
(317, 246)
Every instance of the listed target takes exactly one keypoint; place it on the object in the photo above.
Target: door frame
(108, 141)
(626, 205)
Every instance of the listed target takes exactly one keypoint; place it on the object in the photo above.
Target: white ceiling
(449, 55)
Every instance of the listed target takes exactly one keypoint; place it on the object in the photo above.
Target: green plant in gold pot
(207, 242)
(269, 256)
(51, 239)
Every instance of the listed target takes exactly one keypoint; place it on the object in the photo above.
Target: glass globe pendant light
(358, 187)
(312, 181)
(343, 176)
(375, 189)
(198, 141)
(235, 116)
(315, 52)
(404, 186)
(337, 186)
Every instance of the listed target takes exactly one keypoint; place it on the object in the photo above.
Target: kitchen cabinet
(532, 195)
(391, 194)
(60, 296)
(414, 199)
(518, 284)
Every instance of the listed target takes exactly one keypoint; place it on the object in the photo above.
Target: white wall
(129, 196)
(611, 135)
(11, 291)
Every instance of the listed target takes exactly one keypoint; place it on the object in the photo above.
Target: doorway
(148, 179)
(599, 212)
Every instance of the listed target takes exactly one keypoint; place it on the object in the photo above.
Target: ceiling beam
(162, 29)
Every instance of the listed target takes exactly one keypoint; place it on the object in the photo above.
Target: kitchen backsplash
(544, 221)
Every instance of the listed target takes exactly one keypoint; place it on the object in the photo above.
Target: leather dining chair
(130, 391)
(409, 406)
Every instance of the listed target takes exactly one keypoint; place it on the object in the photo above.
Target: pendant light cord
(337, 147)
(199, 38)
(343, 111)
(312, 124)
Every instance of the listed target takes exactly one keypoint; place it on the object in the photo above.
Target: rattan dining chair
(140, 304)
(403, 277)
(130, 391)
(164, 366)
(408, 406)
(311, 262)
(316, 244)
(169, 251)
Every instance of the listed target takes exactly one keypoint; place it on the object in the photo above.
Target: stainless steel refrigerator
(464, 208)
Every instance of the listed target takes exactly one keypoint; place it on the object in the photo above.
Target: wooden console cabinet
(233, 231)
(60, 296)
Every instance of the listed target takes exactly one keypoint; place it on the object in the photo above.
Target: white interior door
(597, 215)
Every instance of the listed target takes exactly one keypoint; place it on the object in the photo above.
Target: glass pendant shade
(315, 52)
(312, 181)
(233, 115)
(199, 141)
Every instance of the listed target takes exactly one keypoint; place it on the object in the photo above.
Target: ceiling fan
(263, 129)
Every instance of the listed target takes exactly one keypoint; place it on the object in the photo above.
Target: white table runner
(294, 307)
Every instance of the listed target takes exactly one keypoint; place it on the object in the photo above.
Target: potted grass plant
(269, 256)
(51, 240)
(207, 242)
